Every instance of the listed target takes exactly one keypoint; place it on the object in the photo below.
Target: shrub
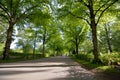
(110, 58)
(88, 57)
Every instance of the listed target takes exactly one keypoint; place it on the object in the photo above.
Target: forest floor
(54, 68)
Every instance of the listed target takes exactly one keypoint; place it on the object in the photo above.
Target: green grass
(109, 69)
(110, 58)
(0, 53)
(86, 64)
(10, 60)
(14, 57)
(89, 65)
(16, 60)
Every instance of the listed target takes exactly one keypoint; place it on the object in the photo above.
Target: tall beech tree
(42, 25)
(89, 10)
(74, 31)
(13, 11)
(106, 23)
(3, 27)
(76, 35)
(108, 37)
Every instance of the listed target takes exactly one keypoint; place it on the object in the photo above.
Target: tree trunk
(95, 44)
(43, 51)
(76, 47)
(108, 39)
(8, 41)
(93, 26)
(34, 49)
(95, 41)
(69, 52)
(34, 45)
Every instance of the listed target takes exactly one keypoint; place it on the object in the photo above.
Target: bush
(110, 58)
(88, 57)
(1, 53)
(25, 55)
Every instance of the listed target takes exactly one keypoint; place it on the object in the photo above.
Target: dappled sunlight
(45, 62)
(42, 73)
(55, 68)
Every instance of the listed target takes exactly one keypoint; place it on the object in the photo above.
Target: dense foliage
(61, 27)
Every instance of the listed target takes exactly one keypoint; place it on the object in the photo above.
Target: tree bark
(43, 51)
(76, 47)
(8, 41)
(95, 44)
(34, 50)
(34, 45)
(108, 39)
(93, 26)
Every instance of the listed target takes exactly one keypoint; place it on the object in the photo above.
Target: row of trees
(90, 11)
(61, 25)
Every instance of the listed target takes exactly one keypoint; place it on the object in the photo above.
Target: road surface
(55, 68)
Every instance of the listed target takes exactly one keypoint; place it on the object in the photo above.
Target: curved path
(55, 68)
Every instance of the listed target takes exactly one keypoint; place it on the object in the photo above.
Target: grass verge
(98, 67)
(15, 57)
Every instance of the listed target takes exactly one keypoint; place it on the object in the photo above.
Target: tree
(108, 38)
(42, 25)
(74, 32)
(91, 11)
(55, 42)
(32, 37)
(115, 37)
(86, 46)
(105, 37)
(105, 29)
(3, 27)
(13, 11)
(116, 41)
(25, 40)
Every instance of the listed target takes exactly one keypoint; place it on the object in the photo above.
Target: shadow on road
(57, 68)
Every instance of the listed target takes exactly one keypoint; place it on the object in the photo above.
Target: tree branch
(4, 9)
(83, 2)
(24, 13)
(78, 17)
(105, 10)
(27, 10)
(2, 15)
(101, 7)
